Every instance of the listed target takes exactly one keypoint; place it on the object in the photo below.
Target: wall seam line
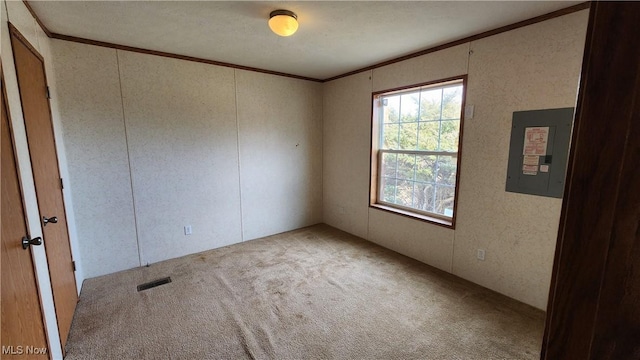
(235, 91)
(126, 139)
(369, 175)
(322, 156)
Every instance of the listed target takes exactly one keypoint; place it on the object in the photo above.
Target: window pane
(389, 165)
(449, 133)
(390, 136)
(444, 200)
(406, 165)
(452, 102)
(430, 101)
(408, 136)
(391, 109)
(409, 107)
(428, 135)
(404, 193)
(419, 121)
(423, 197)
(388, 190)
(447, 170)
(426, 168)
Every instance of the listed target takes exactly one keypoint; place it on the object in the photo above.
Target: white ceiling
(334, 37)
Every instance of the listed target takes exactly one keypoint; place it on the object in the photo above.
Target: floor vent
(154, 283)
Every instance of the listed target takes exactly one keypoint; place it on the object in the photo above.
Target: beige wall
(534, 67)
(181, 131)
(155, 144)
(90, 108)
(280, 143)
(346, 137)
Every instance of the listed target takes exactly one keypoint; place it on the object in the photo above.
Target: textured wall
(280, 134)
(534, 67)
(346, 136)
(181, 131)
(438, 65)
(155, 144)
(96, 150)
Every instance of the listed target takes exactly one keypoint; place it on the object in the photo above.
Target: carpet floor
(313, 293)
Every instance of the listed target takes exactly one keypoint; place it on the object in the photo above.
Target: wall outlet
(187, 230)
(480, 254)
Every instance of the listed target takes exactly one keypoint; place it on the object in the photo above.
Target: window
(415, 150)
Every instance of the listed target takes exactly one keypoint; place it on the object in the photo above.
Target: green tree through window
(417, 148)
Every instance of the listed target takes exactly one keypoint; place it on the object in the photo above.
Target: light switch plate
(468, 112)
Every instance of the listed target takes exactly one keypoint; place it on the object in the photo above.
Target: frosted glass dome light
(283, 22)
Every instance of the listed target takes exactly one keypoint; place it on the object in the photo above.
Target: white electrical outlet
(187, 230)
(480, 254)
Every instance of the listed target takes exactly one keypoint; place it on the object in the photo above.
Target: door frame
(25, 174)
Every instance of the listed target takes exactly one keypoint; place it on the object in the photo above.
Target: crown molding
(537, 19)
(534, 20)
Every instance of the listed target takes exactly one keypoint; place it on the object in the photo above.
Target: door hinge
(48, 93)
(61, 184)
(73, 265)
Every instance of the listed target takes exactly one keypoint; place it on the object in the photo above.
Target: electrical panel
(539, 151)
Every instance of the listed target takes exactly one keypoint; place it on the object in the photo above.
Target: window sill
(449, 224)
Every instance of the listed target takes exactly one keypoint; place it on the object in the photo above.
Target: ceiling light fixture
(283, 22)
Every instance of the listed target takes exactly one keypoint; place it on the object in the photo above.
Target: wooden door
(594, 302)
(22, 323)
(46, 175)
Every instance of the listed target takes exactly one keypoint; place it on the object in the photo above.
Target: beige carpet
(313, 293)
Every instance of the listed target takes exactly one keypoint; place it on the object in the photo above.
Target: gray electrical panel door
(538, 151)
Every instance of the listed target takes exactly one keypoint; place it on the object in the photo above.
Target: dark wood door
(594, 300)
(46, 175)
(22, 323)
